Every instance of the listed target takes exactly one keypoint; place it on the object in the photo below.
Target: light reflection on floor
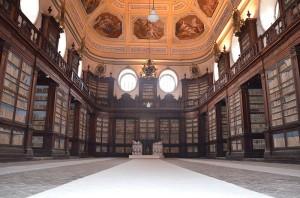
(148, 178)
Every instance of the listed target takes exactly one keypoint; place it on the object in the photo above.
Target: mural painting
(143, 29)
(108, 25)
(189, 27)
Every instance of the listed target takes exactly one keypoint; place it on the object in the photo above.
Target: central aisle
(148, 178)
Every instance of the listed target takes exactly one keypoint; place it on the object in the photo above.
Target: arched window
(268, 12)
(235, 48)
(62, 44)
(31, 9)
(127, 80)
(168, 81)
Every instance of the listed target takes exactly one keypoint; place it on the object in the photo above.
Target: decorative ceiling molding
(129, 47)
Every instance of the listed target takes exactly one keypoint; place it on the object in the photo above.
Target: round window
(168, 81)
(127, 80)
(31, 9)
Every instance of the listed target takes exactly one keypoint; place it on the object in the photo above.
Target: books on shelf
(282, 94)
(40, 107)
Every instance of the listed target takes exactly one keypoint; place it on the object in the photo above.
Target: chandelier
(153, 16)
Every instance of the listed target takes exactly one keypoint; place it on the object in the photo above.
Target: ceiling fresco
(108, 25)
(143, 29)
(208, 6)
(90, 5)
(189, 27)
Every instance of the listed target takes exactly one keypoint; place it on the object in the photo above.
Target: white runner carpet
(148, 178)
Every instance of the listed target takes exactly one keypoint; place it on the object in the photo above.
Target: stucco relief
(143, 29)
(208, 6)
(108, 25)
(189, 27)
(90, 5)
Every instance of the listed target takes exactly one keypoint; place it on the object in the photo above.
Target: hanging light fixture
(153, 16)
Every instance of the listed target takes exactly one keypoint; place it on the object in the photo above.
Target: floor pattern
(148, 178)
(121, 177)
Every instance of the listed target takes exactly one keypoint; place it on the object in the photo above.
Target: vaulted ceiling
(119, 29)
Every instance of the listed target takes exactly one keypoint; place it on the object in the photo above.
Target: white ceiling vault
(117, 30)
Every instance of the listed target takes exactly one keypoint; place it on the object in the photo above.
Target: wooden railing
(277, 29)
(27, 30)
(30, 33)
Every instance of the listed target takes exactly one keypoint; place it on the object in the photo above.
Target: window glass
(31, 9)
(269, 12)
(168, 81)
(62, 44)
(235, 48)
(127, 80)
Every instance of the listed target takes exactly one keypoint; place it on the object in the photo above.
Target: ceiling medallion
(149, 69)
(153, 16)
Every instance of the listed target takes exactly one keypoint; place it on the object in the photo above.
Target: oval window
(168, 81)
(127, 80)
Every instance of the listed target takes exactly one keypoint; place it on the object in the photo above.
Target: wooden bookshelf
(282, 94)
(83, 127)
(169, 134)
(60, 118)
(102, 134)
(191, 127)
(256, 110)
(212, 128)
(235, 118)
(125, 134)
(147, 129)
(193, 89)
(101, 87)
(40, 107)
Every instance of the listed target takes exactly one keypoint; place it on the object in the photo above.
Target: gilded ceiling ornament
(189, 27)
(62, 14)
(100, 70)
(149, 69)
(217, 52)
(82, 46)
(237, 20)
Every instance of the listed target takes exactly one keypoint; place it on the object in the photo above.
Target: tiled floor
(276, 184)
(120, 177)
(24, 184)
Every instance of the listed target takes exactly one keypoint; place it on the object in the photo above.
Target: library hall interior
(150, 98)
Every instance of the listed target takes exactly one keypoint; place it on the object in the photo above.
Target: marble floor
(121, 177)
